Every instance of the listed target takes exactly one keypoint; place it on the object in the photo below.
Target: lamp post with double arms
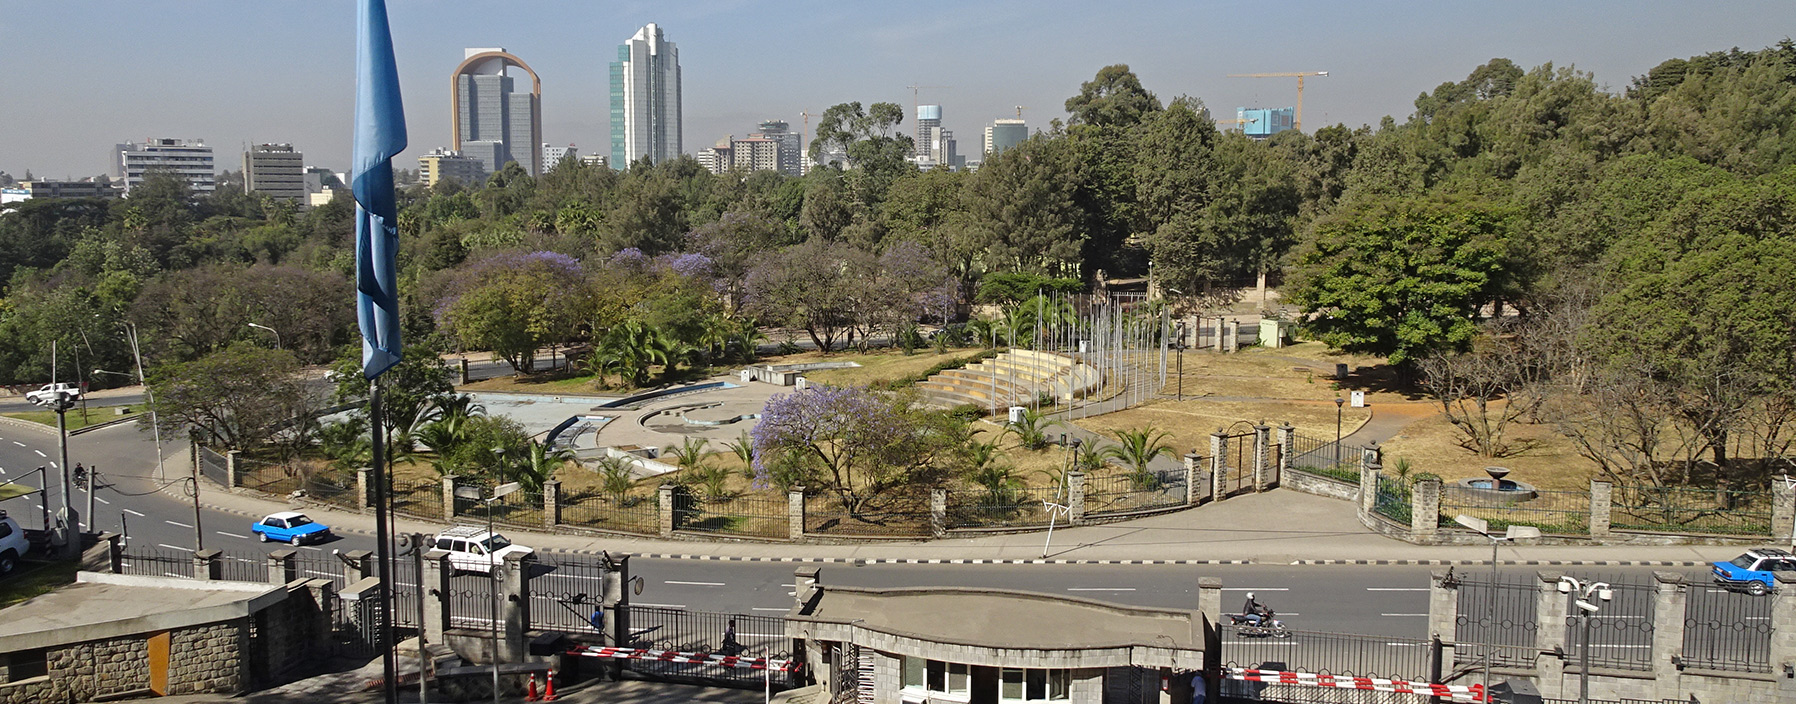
(492, 571)
(1512, 534)
(1583, 595)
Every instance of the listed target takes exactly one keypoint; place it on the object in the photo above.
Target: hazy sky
(81, 76)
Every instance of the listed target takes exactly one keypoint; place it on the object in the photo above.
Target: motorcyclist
(1254, 611)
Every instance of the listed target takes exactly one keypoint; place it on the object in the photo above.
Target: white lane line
(309, 547)
(765, 608)
(1403, 614)
(695, 584)
(134, 513)
(108, 503)
(172, 547)
(20, 444)
(2, 470)
(1260, 589)
(1396, 589)
(1258, 642)
(659, 606)
(173, 523)
(1100, 589)
(40, 453)
(233, 535)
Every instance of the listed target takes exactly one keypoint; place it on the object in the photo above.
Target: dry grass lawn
(1545, 458)
(877, 366)
(1192, 422)
(1300, 372)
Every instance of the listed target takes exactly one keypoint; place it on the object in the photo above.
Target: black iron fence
(1621, 633)
(215, 467)
(564, 591)
(268, 477)
(1690, 510)
(158, 562)
(758, 516)
(1010, 508)
(1325, 458)
(341, 491)
(630, 513)
(1726, 630)
(1332, 654)
(661, 628)
(418, 497)
(1497, 622)
(1552, 511)
(241, 568)
(824, 515)
(1142, 490)
(1393, 500)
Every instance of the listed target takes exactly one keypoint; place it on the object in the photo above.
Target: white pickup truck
(49, 392)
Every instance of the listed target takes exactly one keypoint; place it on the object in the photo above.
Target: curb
(28, 425)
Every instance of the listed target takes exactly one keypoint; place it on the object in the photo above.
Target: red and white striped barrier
(1458, 693)
(594, 651)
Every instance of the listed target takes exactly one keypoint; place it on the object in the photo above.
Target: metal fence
(334, 489)
(1497, 622)
(239, 568)
(824, 515)
(418, 497)
(1134, 491)
(1325, 459)
(310, 565)
(268, 477)
(564, 590)
(738, 515)
(1690, 510)
(1552, 511)
(158, 562)
(1393, 500)
(633, 513)
(661, 628)
(523, 508)
(1726, 630)
(469, 601)
(215, 467)
(1011, 509)
(1331, 653)
(1621, 634)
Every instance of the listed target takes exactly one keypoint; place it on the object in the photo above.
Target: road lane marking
(1260, 589)
(1100, 589)
(765, 608)
(171, 547)
(1403, 614)
(40, 453)
(1258, 642)
(20, 444)
(658, 606)
(134, 513)
(233, 535)
(1396, 589)
(108, 503)
(172, 523)
(695, 584)
(309, 547)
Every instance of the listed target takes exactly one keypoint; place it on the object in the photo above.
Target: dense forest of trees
(1658, 219)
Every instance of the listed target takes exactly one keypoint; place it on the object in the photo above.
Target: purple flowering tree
(514, 303)
(850, 441)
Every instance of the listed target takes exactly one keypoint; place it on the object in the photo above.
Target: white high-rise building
(187, 159)
(553, 155)
(645, 99)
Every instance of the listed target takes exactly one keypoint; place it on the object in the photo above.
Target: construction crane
(1237, 122)
(914, 91)
(1019, 111)
(804, 156)
(1297, 122)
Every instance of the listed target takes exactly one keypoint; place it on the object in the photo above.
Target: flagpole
(384, 547)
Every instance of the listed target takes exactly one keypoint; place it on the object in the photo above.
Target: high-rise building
(493, 122)
(929, 125)
(1264, 122)
(791, 153)
(553, 155)
(718, 157)
(1003, 134)
(187, 159)
(275, 170)
(440, 164)
(645, 99)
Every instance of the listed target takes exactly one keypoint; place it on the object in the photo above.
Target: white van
(473, 549)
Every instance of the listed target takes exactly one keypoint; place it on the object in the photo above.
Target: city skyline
(110, 85)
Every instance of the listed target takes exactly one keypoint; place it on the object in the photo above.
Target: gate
(1496, 623)
(1237, 464)
(214, 467)
(846, 684)
(682, 631)
(564, 592)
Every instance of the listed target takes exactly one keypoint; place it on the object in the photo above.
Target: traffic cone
(549, 688)
(530, 691)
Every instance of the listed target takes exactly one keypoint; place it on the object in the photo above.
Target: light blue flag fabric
(379, 136)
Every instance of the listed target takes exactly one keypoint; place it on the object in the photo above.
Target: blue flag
(379, 135)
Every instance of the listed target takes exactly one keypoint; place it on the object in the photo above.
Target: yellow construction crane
(1297, 122)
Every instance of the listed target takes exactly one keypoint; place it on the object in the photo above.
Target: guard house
(932, 645)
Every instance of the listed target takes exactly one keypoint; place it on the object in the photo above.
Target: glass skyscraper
(493, 121)
(645, 99)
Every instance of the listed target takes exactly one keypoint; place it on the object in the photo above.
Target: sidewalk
(1280, 527)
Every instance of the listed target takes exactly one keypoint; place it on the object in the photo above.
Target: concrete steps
(1012, 379)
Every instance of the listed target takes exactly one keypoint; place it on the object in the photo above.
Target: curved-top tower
(493, 122)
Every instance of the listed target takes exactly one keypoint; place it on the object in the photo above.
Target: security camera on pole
(68, 545)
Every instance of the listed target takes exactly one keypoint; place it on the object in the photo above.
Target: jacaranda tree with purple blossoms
(853, 442)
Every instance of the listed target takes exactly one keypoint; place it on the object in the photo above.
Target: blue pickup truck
(1755, 572)
(290, 527)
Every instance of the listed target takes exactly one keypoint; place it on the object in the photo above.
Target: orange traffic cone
(530, 692)
(549, 688)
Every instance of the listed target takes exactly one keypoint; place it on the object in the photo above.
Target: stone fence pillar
(1550, 636)
(1783, 510)
(1668, 628)
(514, 607)
(462, 366)
(1600, 494)
(1287, 446)
(449, 498)
(1425, 510)
(1368, 480)
(1194, 473)
(1783, 634)
(1219, 468)
(1262, 458)
(357, 565)
(1209, 598)
(436, 593)
(364, 488)
(208, 564)
(283, 566)
(106, 555)
(664, 509)
(938, 512)
(231, 470)
(1075, 497)
(551, 503)
(1443, 607)
(795, 514)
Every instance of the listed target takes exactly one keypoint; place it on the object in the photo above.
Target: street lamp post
(1581, 594)
(492, 571)
(1338, 403)
(277, 333)
(61, 402)
(1512, 534)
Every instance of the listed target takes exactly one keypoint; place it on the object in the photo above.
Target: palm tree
(1136, 448)
(536, 466)
(1031, 430)
(629, 349)
(987, 470)
(746, 341)
(690, 453)
(616, 478)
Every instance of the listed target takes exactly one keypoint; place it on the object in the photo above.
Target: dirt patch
(1549, 461)
(876, 367)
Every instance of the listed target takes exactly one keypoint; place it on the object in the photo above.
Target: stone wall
(290, 634)
(202, 659)
(1307, 483)
(207, 658)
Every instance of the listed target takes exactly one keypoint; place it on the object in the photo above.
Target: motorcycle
(1268, 626)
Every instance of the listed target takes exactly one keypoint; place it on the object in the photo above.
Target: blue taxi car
(290, 527)
(1755, 572)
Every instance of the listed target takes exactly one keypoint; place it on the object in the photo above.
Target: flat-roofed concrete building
(275, 170)
(440, 164)
(68, 189)
(187, 159)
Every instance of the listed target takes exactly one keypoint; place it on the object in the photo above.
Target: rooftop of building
(106, 605)
(1000, 618)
